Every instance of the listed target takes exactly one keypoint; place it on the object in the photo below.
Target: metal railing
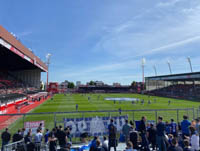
(152, 114)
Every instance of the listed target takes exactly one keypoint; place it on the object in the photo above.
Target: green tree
(133, 83)
(91, 83)
(71, 85)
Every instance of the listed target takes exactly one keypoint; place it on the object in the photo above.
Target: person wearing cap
(160, 135)
(5, 136)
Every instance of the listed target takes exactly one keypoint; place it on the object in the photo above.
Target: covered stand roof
(7, 40)
(192, 76)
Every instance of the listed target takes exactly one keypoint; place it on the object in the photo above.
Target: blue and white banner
(95, 126)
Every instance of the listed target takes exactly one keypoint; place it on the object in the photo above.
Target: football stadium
(94, 90)
(85, 110)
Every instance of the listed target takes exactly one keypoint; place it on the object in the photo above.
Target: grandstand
(183, 86)
(20, 70)
(137, 88)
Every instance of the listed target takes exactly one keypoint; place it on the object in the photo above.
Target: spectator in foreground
(161, 135)
(185, 127)
(173, 128)
(28, 141)
(129, 146)
(5, 137)
(194, 139)
(143, 133)
(105, 143)
(174, 146)
(38, 139)
(52, 140)
(134, 137)
(126, 130)
(112, 130)
(152, 136)
(186, 145)
(17, 136)
(98, 146)
(46, 136)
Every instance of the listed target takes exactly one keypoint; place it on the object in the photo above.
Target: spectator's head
(185, 117)
(131, 123)
(60, 127)
(98, 142)
(192, 129)
(40, 124)
(129, 145)
(104, 138)
(6, 130)
(19, 131)
(111, 120)
(167, 122)
(126, 121)
(144, 118)
(95, 137)
(172, 120)
(54, 130)
(160, 119)
(38, 130)
(151, 125)
(47, 130)
(23, 129)
(83, 137)
(174, 142)
(186, 143)
(69, 145)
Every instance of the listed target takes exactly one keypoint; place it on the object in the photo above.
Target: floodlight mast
(169, 65)
(189, 61)
(143, 64)
(48, 56)
(154, 67)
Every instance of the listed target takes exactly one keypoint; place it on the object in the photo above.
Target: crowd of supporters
(9, 84)
(162, 136)
(178, 91)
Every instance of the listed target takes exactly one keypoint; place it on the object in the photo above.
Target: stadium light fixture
(154, 67)
(48, 56)
(143, 64)
(190, 64)
(169, 65)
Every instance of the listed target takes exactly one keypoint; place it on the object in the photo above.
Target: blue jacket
(185, 127)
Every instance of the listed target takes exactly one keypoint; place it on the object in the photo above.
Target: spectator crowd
(162, 136)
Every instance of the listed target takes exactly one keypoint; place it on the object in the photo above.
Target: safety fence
(53, 119)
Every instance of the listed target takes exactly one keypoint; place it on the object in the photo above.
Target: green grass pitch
(66, 103)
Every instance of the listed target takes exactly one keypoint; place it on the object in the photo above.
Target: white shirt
(38, 137)
(105, 144)
(194, 142)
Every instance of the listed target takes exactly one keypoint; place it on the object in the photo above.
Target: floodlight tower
(189, 61)
(48, 56)
(154, 67)
(169, 65)
(143, 64)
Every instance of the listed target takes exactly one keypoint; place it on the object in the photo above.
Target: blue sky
(106, 39)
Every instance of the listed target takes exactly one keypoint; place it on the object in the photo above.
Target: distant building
(78, 83)
(116, 84)
(63, 85)
(99, 83)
